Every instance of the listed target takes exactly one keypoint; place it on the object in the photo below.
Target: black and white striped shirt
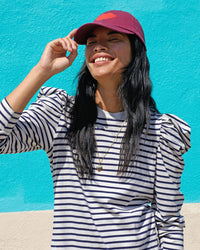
(138, 211)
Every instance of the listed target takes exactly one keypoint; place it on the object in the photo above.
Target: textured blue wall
(172, 35)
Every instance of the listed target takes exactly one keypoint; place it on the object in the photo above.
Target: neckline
(109, 115)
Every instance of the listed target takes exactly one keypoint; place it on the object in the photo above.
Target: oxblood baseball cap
(117, 20)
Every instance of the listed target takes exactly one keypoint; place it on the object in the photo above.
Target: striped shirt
(140, 210)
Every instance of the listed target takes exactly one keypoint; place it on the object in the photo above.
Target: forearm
(170, 232)
(19, 97)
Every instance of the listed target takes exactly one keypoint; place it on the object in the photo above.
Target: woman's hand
(53, 61)
(54, 58)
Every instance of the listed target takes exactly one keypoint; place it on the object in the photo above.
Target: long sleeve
(174, 141)
(35, 128)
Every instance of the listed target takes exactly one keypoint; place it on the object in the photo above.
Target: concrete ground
(32, 230)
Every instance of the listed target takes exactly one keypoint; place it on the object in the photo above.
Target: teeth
(99, 59)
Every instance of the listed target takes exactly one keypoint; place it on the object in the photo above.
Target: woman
(116, 162)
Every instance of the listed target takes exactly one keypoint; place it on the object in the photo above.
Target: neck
(108, 99)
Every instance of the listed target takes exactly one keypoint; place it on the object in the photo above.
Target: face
(107, 53)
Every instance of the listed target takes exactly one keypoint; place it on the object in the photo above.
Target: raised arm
(53, 61)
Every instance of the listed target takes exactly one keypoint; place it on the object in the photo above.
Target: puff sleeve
(35, 128)
(174, 141)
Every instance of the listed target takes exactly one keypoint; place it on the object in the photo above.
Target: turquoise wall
(173, 44)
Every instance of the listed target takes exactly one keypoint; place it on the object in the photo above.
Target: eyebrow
(113, 32)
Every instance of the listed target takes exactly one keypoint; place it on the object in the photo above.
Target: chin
(102, 76)
(105, 73)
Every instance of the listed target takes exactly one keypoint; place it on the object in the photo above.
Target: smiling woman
(107, 54)
(116, 162)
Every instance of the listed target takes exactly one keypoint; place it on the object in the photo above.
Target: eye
(90, 42)
(113, 39)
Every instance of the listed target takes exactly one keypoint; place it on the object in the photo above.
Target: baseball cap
(116, 20)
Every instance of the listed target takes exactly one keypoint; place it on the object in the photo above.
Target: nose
(100, 47)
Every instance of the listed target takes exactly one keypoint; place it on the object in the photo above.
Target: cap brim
(86, 30)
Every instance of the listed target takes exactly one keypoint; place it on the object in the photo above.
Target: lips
(101, 58)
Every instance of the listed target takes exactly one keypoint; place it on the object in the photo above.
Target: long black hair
(135, 93)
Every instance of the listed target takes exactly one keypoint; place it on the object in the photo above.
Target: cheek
(128, 58)
(128, 52)
(125, 59)
(87, 54)
(124, 53)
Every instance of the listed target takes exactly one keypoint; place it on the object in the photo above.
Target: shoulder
(173, 131)
(54, 98)
(54, 93)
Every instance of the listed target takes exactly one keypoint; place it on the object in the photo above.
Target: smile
(102, 59)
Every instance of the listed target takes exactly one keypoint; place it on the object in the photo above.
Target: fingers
(72, 33)
(72, 56)
(69, 44)
(56, 51)
(66, 43)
